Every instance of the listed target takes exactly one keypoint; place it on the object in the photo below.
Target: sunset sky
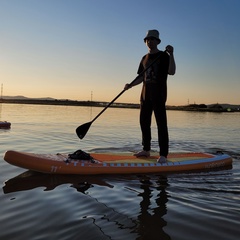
(78, 49)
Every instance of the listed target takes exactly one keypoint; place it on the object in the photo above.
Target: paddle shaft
(109, 104)
(141, 73)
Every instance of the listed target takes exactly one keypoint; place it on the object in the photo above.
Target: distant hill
(26, 98)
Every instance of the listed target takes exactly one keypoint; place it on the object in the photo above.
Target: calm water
(194, 206)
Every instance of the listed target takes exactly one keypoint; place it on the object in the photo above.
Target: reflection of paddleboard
(30, 180)
(116, 163)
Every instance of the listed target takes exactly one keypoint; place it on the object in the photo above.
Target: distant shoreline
(191, 107)
(68, 103)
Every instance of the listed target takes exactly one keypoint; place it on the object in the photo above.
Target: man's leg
(145, 123)
(161, 119)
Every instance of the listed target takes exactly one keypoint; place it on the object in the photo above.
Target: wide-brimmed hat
(152, 33)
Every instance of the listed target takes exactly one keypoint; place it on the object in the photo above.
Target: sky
(89, 49)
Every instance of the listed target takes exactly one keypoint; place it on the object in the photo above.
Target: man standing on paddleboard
(154, 93)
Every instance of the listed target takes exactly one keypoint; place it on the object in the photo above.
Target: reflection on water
(151, 221)
(30, 180)
(196, 205)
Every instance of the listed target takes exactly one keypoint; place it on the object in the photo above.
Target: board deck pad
(125, 158)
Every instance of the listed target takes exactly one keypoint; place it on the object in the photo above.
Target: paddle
(83, 129)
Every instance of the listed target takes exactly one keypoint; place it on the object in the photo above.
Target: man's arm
(172, 65)
(136, 81)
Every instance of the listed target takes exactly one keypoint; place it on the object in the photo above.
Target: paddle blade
(82, 130)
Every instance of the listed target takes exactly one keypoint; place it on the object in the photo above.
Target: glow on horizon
(72, 50)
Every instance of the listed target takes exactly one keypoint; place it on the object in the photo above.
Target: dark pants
(159, 109)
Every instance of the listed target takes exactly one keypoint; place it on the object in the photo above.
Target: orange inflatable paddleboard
(116, 163)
